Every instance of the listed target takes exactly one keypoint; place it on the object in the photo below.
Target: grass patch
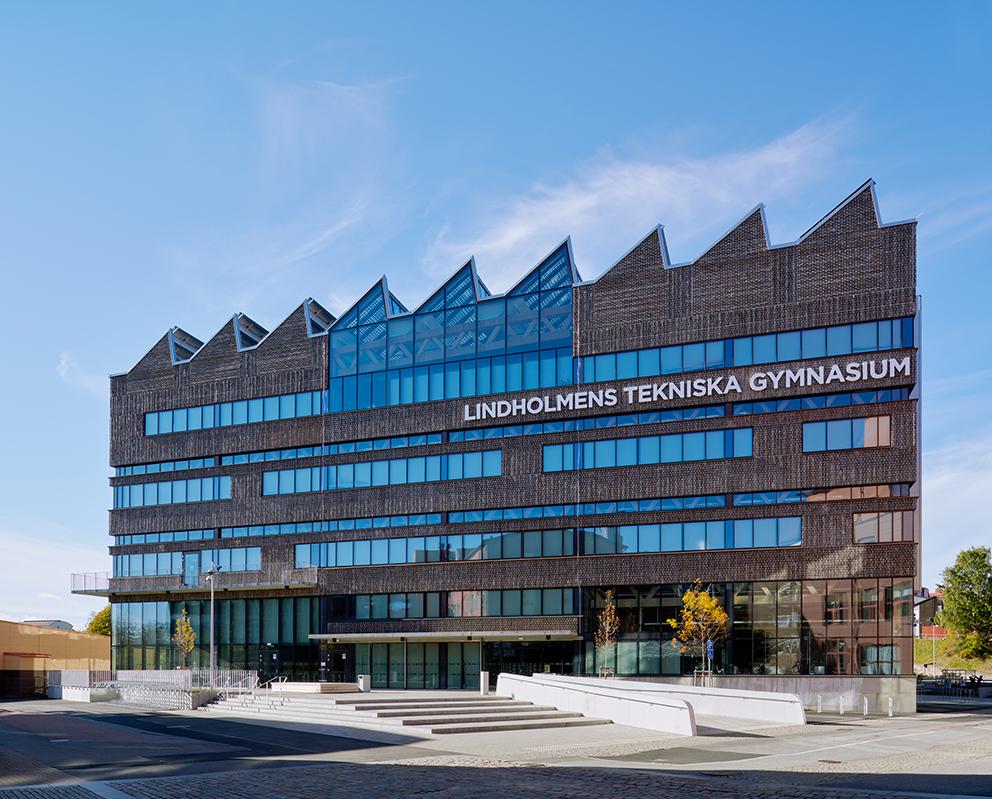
(947, 658)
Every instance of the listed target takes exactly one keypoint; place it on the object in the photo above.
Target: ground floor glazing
(816, 627)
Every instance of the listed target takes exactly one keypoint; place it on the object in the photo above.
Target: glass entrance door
(337, 663)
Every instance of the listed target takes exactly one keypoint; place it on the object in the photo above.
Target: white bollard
(841, 703)
(890, 707)
(819, 703)
(866, 707)
(484, 683)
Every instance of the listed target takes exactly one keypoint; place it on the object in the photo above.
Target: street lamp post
(212, 572)
(933, 639)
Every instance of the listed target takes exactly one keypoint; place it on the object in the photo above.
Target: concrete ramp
(764, 706)
(590, 698)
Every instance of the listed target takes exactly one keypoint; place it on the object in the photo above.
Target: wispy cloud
(324, 152)
(954, 219)
(71, 373)
(302, 120)
(611, 200)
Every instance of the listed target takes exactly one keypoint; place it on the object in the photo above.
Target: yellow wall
(66, 649)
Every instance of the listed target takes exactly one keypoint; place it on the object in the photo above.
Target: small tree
(607, 630)
(99, 622)
(968, 601)
(700, 620)
(184, 637)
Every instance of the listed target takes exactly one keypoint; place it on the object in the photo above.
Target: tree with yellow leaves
(700, 620)
(607, 631)
(184, 637)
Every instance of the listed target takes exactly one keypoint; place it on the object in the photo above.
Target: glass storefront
(783, 627)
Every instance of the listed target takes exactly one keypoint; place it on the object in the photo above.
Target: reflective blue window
(814, 437)
(459, 323)
(814, 343)
(839, 434)
(746, 351)
(763, 349)
(644, 450)
(400, 471)
(839, 340)
(199, 489)
(201, 417)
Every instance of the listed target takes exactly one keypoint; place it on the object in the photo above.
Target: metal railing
(179, 689)
(246, 685)
(103, 582)
(90, 583)
(279, 678)
(952, 686)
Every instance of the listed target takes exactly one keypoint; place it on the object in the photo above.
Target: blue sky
(173, 164)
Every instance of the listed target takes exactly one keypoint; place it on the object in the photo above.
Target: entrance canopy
(481, 636)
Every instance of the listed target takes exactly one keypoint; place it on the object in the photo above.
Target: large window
(164, 538)
(822, 494)
(398, 471)
(556, 543)
(588, 423)
(233, 559)
(842, 400)
(226, 414)
(873, 431)
(461, 342)
(166, 466)
(674, 448)
(883, 528)
(344, 448)
(198, 489)
(459, 604)
(890, 334)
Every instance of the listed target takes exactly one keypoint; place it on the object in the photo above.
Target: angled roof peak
(182, 345)
(319, 319)
(651, 248)
(555, 270)
(376, 305)
(861, 206)
(461, 289)
(247, 332)
(748, 236)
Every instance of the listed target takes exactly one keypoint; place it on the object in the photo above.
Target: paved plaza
(62, 750)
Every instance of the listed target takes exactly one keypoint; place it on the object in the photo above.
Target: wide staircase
(436, 713)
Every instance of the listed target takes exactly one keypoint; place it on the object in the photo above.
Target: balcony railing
(102, 584)
(94, 583)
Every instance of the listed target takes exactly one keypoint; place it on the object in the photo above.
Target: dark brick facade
(847, 269)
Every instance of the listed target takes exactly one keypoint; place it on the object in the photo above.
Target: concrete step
(466, 713)
(360, 723)
(314, 687)
(444, 700)
(310, 714)
(516, 707)
(486, 718)
(414, 706)
(395, 710)
(496, 726)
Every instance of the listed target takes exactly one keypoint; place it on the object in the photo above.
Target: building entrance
(408, 664)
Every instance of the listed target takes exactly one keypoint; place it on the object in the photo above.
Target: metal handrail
(245, 685)
(279, 678)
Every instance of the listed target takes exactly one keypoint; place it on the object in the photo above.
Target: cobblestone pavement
(352, 781)
(469, 779)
